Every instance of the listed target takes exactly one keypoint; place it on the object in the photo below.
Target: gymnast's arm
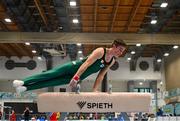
(101, 75)
(96, 54)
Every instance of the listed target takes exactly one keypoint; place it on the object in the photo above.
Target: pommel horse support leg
(94, 102)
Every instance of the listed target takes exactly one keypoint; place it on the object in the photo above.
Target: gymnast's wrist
(76, 78)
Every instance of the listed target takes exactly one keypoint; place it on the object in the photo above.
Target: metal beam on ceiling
(3, 26)
(5, 50)
(114, 15)
(48, 2)
(13, 50)
(87, 38)
(95, 13)
(133, 13)
(22, 50)
(41, 11)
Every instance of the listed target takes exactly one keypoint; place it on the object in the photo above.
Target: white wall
(118, 86)
(123, 73)
(58, 60)
(6, 86)
(19, 72)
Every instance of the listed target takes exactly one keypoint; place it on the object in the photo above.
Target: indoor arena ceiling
(90, 16)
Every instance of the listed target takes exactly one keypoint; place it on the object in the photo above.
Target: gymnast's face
(118, 50)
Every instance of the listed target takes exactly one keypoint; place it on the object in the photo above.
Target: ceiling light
(164, 5)
(159, 60)
(39, 58)
(60, 27)
(166, 54)
(27, 43)
(140, 83)
(33, 51)
(161, 83)
(79, 51)
(75, 21)
(72, 3)
(79, 44)
(133, 52)
(153, 21)
(129, 59)
(138, 44)
(7, 20)
(80, 58)
(175, 47)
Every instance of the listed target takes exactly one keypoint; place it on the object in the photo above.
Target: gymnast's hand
(74, 81)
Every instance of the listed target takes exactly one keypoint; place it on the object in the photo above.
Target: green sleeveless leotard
(63, 74)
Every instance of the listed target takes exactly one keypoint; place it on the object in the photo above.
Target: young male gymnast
(101, 59)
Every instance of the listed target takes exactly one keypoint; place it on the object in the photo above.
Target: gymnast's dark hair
(119, 42)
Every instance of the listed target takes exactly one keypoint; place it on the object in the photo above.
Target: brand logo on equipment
(81, 104)
(94, 105)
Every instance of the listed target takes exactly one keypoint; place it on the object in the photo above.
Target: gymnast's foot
(17, 83)
(21, 89)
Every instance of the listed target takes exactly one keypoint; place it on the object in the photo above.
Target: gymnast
(101, 59)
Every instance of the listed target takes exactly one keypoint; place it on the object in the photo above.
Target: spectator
(13, 116)
(159, 112)
(53, 116)
(0, 114)
(26, 114)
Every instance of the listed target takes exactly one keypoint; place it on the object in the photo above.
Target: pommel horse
(94, 101)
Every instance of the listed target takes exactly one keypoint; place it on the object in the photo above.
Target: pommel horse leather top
(94, 102)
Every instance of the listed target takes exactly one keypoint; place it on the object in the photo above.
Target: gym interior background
(37, 35)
